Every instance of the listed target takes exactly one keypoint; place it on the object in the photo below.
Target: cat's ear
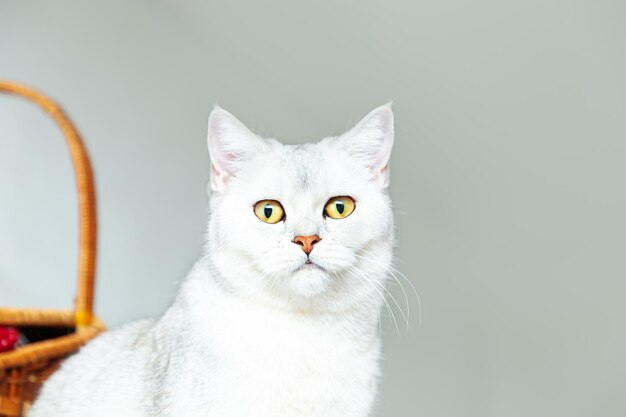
(230, 144)
(371, 140)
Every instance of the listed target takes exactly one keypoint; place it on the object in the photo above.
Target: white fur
(254, 331)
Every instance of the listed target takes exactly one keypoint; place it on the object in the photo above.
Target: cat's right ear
(230, 144)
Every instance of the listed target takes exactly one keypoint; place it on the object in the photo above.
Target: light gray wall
(508, 171)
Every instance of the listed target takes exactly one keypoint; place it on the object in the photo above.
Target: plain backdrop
(507, 174)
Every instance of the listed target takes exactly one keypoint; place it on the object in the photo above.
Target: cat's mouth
(310, 265)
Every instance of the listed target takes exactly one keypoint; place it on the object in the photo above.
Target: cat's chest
(292, 345)
(289, 366)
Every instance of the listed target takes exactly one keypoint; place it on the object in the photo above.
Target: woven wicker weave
(61, 333)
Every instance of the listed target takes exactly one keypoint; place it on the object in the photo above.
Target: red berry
(9, 336)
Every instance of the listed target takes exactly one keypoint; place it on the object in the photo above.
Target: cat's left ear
(371, 140)
(231, 144)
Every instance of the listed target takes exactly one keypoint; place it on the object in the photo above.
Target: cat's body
(259, 328)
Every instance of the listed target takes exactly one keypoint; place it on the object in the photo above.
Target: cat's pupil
(267, 210)
(340, 207)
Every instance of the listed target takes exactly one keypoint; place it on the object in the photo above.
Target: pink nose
(306, 242)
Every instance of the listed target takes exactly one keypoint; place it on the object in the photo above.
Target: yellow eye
(339, 207)
(270, 211)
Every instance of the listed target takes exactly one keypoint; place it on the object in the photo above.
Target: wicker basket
(55, 334)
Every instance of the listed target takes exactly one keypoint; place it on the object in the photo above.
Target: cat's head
(304, 226)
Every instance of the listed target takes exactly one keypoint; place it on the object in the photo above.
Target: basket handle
(83, 310)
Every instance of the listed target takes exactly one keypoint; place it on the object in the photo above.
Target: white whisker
(393, 271)
(365, 279)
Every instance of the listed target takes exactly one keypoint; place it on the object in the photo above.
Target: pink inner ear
(230, 156)
(224, 160)
(372, 138)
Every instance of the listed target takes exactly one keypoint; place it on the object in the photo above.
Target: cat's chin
(309, 280)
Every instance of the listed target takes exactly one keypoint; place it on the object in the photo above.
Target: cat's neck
(203, 295)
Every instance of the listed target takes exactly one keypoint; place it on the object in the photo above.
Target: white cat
(280, 317)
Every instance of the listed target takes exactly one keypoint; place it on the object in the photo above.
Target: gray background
(507, 175)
